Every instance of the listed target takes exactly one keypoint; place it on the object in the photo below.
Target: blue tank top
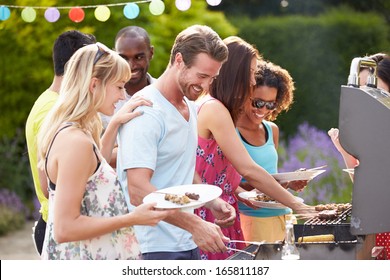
(267, 157)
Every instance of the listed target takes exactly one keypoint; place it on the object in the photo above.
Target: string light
(52, 14)
(131, 11)
(69, 7)
(183, 5)
(102, 12)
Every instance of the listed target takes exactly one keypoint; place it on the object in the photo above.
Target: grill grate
(341, 218)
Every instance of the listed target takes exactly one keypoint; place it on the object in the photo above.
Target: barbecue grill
(344, 247)
(364, 122)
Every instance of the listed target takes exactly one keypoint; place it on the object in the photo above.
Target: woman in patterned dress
(88, 216)
(221, 157)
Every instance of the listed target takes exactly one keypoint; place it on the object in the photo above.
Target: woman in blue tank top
(272, 94)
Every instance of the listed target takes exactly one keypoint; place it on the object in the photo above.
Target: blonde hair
(76, 103)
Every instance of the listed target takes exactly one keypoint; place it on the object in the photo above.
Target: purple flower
(12, 201)
(311, 147)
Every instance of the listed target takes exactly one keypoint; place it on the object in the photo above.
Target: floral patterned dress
(103, 198)
(215, 169)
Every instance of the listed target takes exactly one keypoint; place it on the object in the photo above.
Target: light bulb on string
(131, 11)
(213, 2)
(102, 13)
(183, 5)
(52, 14)
(76, 14)
(156, 7)
(5, 13)
(29, 14)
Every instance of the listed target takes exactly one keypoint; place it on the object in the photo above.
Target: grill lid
(364, 124)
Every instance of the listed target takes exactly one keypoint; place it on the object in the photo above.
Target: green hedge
(317, 51)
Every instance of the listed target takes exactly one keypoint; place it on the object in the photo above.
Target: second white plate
(297, 175)
(206, 193)
(269, 204)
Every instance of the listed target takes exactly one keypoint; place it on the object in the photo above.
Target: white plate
(263, 204)
(206, 193)
(297, 175)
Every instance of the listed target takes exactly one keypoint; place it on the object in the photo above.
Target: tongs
(246, 242)
(242, 251)
(258, 243)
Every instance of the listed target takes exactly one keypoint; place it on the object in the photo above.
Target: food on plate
(178, 199)
(317, 238)
(193, 196)
(263, 197)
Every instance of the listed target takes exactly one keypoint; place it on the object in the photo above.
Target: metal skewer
(242, 251)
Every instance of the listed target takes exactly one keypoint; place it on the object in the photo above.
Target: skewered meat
(340, 207)
(327, 214)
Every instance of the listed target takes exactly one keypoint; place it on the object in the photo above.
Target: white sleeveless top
(103, 197)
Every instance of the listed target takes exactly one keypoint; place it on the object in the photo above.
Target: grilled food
(263, 197)
(328, 214)
(317, 238)
(193, 196)
(178, 199)
(341, 207)
(331, 210)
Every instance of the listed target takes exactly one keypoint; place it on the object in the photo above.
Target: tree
(256, 8)
(26, 47)
(27, 70)
(317, 51)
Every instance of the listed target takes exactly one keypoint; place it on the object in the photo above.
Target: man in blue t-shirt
(157, 150)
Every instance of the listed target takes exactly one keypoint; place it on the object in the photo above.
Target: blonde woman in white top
(88, 216)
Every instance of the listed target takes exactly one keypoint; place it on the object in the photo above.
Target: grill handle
(356, 65)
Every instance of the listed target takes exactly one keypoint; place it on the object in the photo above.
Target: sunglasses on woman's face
(259, 103)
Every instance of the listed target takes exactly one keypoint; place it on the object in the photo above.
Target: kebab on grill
(331, 210)
(327, 214)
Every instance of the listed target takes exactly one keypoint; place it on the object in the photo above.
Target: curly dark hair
(272, 75)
